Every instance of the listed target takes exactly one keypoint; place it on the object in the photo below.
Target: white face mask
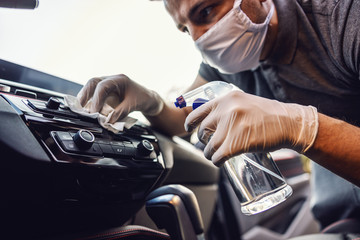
(234, 43)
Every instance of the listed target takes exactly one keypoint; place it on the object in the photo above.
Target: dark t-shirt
(315, 61)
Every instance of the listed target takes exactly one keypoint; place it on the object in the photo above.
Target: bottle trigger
(198, 102)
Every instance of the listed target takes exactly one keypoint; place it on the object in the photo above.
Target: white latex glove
(121, 93)
(240, 122)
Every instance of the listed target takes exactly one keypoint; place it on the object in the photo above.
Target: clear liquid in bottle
(255, 178)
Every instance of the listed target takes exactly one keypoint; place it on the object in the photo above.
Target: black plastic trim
(11, 127)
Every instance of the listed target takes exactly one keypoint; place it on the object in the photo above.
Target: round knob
(145, 147)
(84, 139)
(53, 103)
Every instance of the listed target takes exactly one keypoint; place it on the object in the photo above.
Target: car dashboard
(61, 171)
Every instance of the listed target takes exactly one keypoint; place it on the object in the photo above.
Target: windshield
(81, 39)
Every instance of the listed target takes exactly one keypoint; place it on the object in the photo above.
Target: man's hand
(123, 94)
(240, 122)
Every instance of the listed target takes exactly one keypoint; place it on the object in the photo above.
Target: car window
(80, 39)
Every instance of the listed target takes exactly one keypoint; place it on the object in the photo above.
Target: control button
(102, 141)
(84, 139)
(145, 147)
(119, 150)
(116, 143)
(41, 106)
(53, 103)
(127, 143)
(94, 150)
(64, 136)
(107, 149)
(130, 150)
(70, 146)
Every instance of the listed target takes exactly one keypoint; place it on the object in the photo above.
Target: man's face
(197, 16)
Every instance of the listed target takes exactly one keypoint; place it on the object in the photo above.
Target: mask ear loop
(271, 12)
(258, 26)
(237, 4)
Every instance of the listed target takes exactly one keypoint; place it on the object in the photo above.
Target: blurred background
(81, 39)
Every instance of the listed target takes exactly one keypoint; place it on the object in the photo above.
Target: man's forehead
(172, 3)
(177, 8)
(165, 1)
(176, 5)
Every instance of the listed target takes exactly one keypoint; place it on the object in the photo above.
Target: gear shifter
(175, 208)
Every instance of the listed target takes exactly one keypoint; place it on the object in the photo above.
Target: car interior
(63, 176)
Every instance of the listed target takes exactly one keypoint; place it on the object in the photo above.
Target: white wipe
(103, 117)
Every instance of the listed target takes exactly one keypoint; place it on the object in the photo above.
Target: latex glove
(240, 122)
(121, 93)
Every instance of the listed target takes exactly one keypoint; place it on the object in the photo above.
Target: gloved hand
(121, 93)
(240, 122)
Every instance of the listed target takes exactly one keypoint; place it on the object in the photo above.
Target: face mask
(234, 43)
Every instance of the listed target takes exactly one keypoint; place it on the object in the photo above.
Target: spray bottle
(255, 178)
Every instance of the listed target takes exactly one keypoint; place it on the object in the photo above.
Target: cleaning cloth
(103, 116)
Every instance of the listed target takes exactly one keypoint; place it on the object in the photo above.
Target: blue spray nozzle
(198, 102)
(202, 94)
(180, 102)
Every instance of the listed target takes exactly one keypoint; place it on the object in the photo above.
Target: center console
(61, 172)
(65, 170)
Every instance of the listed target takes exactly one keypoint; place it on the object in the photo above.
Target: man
(303, 52)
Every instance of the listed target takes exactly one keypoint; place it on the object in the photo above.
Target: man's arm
(171, 119)
(125, 96)
(240, 122)
(337, 148)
